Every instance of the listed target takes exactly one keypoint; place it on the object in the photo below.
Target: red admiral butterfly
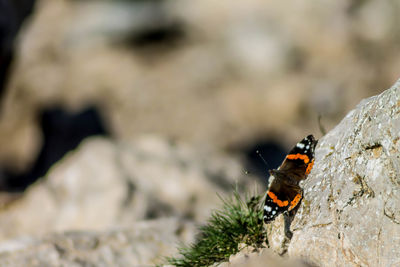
(284, 192)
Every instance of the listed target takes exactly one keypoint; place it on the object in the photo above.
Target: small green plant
(239, 222)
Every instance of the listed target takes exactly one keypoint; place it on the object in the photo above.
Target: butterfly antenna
(265, 162)
(321, 127)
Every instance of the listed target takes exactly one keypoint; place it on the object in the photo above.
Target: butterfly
(284, 192)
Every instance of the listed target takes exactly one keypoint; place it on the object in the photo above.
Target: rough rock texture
(106, 184)
(229, 73)
(350, 215)
(142, 244)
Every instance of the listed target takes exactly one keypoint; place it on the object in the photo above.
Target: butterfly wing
(284, 192)
(300, 160)
(280, 197)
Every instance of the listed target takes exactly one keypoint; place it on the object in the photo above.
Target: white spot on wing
(300, 145)
(267, 208)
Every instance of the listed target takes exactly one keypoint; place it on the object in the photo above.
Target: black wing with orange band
(284, 192)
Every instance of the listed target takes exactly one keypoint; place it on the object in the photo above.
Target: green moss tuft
(238, 222)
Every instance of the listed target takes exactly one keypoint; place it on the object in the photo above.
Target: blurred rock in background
(222, 78)
(12, 15)
(219, 76)
(140, 244)
(62, 132)
(106, 183)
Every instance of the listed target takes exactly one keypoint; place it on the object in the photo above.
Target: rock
(106, 184)
(250, 258)
(218, 79)
(350, 214)
(142, 244)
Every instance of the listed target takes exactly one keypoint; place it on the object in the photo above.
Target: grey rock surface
(105, 184)
(350, 214)
(142, 244)
(250, 258)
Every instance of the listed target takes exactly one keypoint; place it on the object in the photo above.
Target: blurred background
(228, 77)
